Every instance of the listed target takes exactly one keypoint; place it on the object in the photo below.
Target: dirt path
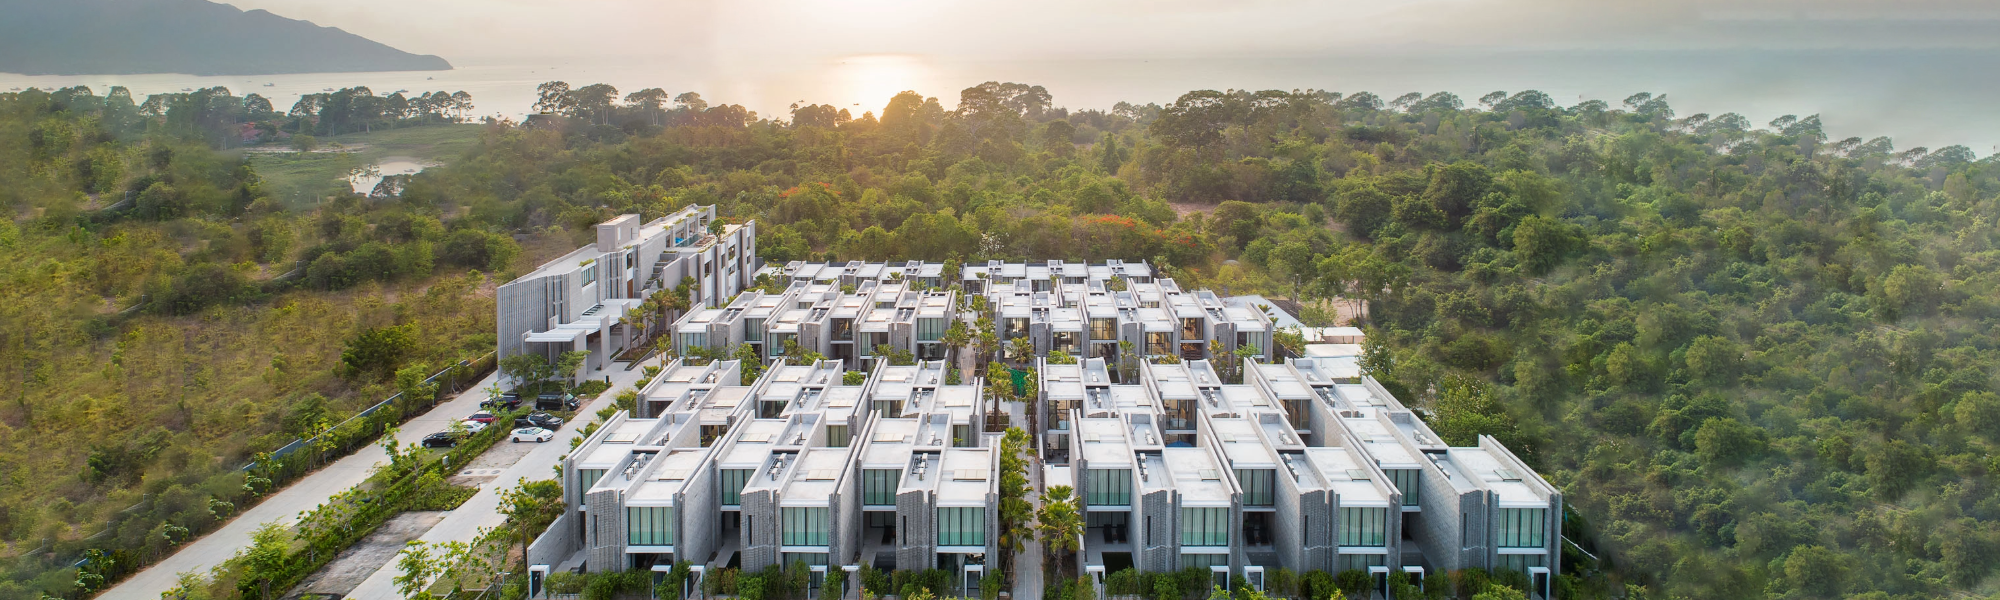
(356, 563)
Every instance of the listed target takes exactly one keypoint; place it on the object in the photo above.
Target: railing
(365, 414)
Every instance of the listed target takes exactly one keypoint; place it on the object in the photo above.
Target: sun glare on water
(868, 82)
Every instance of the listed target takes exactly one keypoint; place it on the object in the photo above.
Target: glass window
(732, 482)
(1016, 328)
(1519, 562)
(1406, 482)
(649, 526)
(810, 559)
(1191, 329)
(1259, 486)
(1522, 527)
(690, 341)
(1204, 561)
(1157, 344)
(1363, 526)
(931, 330)
(589, 477)
(1108, 487)
(1360, 562)
(961, 526)
(805, 526)
(1103, 329)
(1204, 527)
(837, 436)
(753, 330)
(878, 486)
(589, 275)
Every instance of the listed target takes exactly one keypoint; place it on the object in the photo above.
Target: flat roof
(1240, 444)
(1372, 437)
(966, 475)
(1504, 481)
(669, 474)
(753, 444)
(1346, 476)
(1104, 443)
(890, 444)
(815, 476)
(1196, 476)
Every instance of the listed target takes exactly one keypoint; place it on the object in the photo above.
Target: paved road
(482, 511)
(284, 507)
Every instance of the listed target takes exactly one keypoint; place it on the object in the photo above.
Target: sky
(751, 32)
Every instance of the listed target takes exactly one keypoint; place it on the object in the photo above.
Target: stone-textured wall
(916, 530)
(1159, 549)
(1304, 537)
(696, 508)
(760, 528)
(606, 535)
(522, 306)
(558, 543)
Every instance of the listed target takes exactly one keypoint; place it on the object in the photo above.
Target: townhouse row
(1305, 465)
(853, 312)
(578, 301)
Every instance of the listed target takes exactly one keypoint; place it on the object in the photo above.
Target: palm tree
(1061, 525)
(956, 337)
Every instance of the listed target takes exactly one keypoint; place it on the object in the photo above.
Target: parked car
(472, 426)
(481, 416)
(539, 419)
(507, 401)
(443, 439)
(555, 402)
(533, 434)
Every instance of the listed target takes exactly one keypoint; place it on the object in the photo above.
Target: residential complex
(576, 302)
(1188, 442)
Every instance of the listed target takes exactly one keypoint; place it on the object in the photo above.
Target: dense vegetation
(164, 320)
(1758, 361)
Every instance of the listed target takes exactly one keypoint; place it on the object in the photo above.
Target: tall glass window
(649, 526)
(1103, 329)
(878, 486)
(1157, 344)
(837, 436)
(1204, 526)
(1406, 482)
(1191, 329)
(1522, 527)
(961, 526)
(931, 330)
(1259, 486)
(1108, 487)
(806, 526)
(731, 482)
(690, 341)
(1204, 561)
(753, 330)
(1361, 562)
(589, 477)
(1363, 526)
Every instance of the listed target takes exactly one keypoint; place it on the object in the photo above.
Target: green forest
(1758, 361)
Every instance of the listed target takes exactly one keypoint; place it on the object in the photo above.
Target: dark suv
(555, 402)
(539, 419)
(443, 439)
(507, 401)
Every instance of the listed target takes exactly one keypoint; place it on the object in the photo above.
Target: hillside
(82, 37)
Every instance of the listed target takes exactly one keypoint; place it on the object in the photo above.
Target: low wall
(557, 543)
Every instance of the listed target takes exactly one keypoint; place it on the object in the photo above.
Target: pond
(366, 181)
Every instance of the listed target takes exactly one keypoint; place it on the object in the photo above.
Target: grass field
(300, 179)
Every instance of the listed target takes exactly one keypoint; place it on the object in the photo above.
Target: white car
(533, 434)
(472, 427)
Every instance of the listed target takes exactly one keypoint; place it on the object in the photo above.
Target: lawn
(299, 179)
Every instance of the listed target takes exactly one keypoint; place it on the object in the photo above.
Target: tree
(264, 562)
(528, 370)
(377, 351)
(1060, 524)
(531, 506)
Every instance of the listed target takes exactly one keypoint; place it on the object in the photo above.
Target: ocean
(1930, 98)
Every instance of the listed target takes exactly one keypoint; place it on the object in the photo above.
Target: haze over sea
(1930, 97)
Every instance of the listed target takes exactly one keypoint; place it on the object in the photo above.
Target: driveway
(284, 507)
(482, 511)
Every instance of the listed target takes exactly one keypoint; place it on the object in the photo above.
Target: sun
(866, 83)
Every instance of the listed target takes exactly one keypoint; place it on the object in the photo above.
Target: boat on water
(327, 90)
(270, 85)
(402, 91)
(187, 89)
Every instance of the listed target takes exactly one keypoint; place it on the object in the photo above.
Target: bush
(1353, 582)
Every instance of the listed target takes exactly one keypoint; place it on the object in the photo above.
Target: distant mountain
(197, 37)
